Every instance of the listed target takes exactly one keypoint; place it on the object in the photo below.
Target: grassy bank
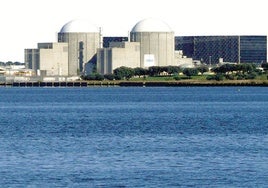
(173, 83)
(195, 81)
(148, 82)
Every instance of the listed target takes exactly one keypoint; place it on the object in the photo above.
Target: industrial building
(156, 40)
(81, 49)
(118, 54)
(151, 40)
(83, 39)
(107, 40)
(48, 59)
(78, 41)
(233, 49)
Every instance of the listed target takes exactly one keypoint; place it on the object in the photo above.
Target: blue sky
(24, 23)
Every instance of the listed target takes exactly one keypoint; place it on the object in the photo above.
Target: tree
(123, 73)
(218, 77)
(109, 76)
(138, 71)
(173, 70)
(224, 68)
(154, 71)
(93, 76)
(246, 67)
(9, 63)
(251, 76)
(99, 76)
(203, 69)
(264, 66)
(190, 72)
(243, 67)
(163, 69)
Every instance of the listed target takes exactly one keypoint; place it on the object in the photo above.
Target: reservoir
(134, 137)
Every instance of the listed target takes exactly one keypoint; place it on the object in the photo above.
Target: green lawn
(169, 78)
(193, 78)
(262, 77)
(156, 78)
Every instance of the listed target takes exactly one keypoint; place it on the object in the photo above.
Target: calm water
(134, 137)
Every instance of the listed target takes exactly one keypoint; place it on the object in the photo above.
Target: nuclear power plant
(156, 40)
(83, 40)
(78, 41)
(79, 49)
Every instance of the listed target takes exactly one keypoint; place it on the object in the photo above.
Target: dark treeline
(226, 71)
(265, 66)
(8, 63)
(241, 71)
(125, 73)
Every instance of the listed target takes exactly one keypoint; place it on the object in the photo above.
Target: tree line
(226, 71)
(241, 71)
(125, 73)
(8, 63)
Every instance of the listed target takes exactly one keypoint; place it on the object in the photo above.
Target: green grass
(262, 77)
(184, 78)
(199, 77)
(169, 78)
(156, 78)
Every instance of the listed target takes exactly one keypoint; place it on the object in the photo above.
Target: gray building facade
(156, 42)
(117, 55)
(235, 49)
(50, 58)
(84, 39)
(31, 58)
(107, 40)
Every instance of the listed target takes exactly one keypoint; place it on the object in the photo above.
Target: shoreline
(188, 83)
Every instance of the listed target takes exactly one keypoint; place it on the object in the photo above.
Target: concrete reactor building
(49, 59)
(151, 44)
(156, 42)
(78, 41)
(83, 40)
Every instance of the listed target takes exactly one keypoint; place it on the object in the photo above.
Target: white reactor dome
(151, 25)
(79, 26)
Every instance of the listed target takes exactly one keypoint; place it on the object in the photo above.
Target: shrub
(94, 76)
(218, 77)
(177, 78)
(251, 76)
(99, 77)
(190, 72)
(123, 73)
(109, 76)
(240, 76)
(229, 77)
(210, 77)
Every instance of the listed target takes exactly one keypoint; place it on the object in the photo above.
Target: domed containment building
(151, 44)
(156, 42)
(83, 39)
(78, 41)
(79, 50)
